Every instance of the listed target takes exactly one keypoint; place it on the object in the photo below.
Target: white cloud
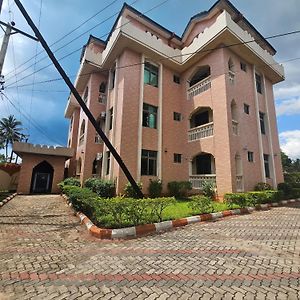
(290, 143)
(288, 91)
(288, 107)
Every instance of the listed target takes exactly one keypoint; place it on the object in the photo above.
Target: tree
(288, 164)
(10, 131)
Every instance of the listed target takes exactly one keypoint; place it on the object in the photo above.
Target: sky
(40, 106)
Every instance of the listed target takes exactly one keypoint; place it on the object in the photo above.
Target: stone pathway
(46, 254)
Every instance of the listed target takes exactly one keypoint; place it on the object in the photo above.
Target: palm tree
(10, 131)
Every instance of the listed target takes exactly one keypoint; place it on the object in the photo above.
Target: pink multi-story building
(198, 107)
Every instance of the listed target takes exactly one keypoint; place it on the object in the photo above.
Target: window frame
(243, 66)
(107, 162)
(150, 157)
(153, 74)
(267, 165)
(250, 156)
(259, 83)
(176, 78)
(147, 113)
(262, 122)
(111, 116)
(177, 158)
(177, 116)
(246, 109)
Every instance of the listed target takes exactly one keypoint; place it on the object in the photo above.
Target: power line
(174, 56)
(74, 39)
(74, 51)
(34, 123)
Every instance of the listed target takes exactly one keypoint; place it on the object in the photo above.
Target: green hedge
(179, 188)
(103, 188)
(253, 198)
(201, 204)
(116, 212)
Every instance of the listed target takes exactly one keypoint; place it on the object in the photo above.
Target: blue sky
(43, 104)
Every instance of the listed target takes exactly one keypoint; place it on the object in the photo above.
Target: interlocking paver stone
(46, 254)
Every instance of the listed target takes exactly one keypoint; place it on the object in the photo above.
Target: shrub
(179, 188)
(286, 189)
(129, 190)
(70, 181)
(293, 179)
(155, 188)
(103, 188)
(252, 198)
(158, 205)
(208, 189)
(295, 193)
(262, 186)
(201, 204)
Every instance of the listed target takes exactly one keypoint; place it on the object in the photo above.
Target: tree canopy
(288, 164)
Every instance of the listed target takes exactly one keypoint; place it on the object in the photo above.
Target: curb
(7, 199)
(141, 230)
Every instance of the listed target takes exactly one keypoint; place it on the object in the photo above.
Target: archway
(42, 177)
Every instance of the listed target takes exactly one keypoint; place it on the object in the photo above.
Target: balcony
(239, 183)
(198, 181)
(201, 132)
(235, 127)
(199, 87)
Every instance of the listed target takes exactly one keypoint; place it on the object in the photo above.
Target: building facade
(198, 107)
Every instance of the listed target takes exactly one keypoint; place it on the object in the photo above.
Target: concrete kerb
(7, 199)
(141, 230)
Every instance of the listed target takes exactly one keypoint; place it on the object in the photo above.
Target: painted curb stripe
(141, 230)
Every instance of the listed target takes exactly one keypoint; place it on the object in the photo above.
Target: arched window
(234, 117)
(86, 94)
(82, 131)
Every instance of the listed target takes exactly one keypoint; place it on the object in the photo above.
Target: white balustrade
(239, 183)
(199, 87)
(200, 132)
(98, 139)
(199, 180)
(235, 127)
(231, 76)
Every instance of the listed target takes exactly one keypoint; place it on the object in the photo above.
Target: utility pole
(79, 100)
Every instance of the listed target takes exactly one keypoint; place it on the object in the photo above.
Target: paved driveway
(46, 254)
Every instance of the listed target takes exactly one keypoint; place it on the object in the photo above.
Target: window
(107, 162)
(111, 115)
(149, 116)
(267, 166)
(258, 81)
(177, 158)
(243, 66)
(176, 79)
(149, 163)
(176, 116)
(262, 123)
(102, 87)
(86, 95)
(250, 156)
(112, 78)
(82, 132)
(230, 65)
(246, 109)
(151, 74)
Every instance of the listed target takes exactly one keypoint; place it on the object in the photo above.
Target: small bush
(262, 186)
(295, 193)
(239, 199)
(286, 189)
(201, 204)
(129, 191)
(103, 188)
(179, 188)
(158, 205)
(208, 189)
(70, 181)
(155, 188)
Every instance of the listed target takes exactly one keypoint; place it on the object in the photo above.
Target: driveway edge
(141, 230)
(7, 199)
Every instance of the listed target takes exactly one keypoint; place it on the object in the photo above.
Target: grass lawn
(181, 209)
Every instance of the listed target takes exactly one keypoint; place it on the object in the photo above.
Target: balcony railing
(199, 180)
(231, 76)
(235, 127)
(98, 139)
(199, 87)
(200, 132)
(239, 183)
